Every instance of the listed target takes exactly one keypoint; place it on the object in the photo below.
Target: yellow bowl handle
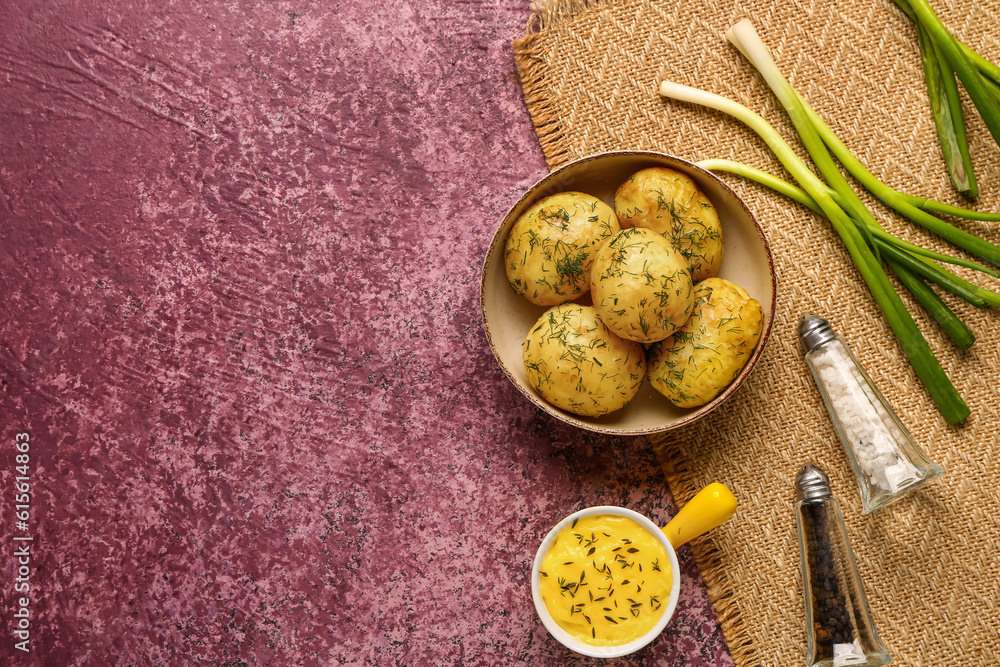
(710, 507)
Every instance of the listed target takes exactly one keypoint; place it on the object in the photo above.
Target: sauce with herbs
(606, 580)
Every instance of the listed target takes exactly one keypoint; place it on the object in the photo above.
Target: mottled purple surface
(240, 265)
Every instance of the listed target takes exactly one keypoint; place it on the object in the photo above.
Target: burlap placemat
(589, 72)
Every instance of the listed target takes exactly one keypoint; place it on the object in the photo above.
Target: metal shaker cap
(812, 483)
(814, 331)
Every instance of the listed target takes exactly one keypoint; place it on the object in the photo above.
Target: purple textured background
(240, 264)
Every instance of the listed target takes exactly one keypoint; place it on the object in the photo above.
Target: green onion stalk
(944, 58)
(866, 242)
(965, 68)
(946, 109)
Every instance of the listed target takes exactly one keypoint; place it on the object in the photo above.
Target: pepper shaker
(886, 460)
(838, 620)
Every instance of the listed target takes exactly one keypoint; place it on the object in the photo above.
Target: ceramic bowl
(709, 508)
(507, 317)
(568, 640)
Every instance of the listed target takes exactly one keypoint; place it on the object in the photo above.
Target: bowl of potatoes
(629, 293)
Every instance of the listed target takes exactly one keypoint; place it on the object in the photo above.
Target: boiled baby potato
(641, 285)
(700, 360)
(576, 363)
(669, 203)
(551, 247)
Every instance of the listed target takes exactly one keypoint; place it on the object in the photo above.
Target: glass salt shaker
(886, 460)
(838, 621)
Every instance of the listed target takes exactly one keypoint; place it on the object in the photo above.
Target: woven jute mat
(930, 562)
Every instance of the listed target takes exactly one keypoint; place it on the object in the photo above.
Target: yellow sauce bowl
(710, 507)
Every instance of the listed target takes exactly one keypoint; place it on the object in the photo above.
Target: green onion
(946, 108)
(946, 318)
(853, 225)
(945, 57)
(903, 204)
(936, 274)
(939, 207)
(989, 70)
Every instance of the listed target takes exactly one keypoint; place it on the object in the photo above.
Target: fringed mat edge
(529, 58)
(721, 591)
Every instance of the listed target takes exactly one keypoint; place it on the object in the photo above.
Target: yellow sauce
(606, 580)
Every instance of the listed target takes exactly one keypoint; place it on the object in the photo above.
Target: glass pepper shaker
(838, 620)
(886, 460)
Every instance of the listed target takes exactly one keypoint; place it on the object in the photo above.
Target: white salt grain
(868, 427)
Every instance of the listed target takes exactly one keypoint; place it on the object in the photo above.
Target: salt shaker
(885, 458)
(838, 620)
